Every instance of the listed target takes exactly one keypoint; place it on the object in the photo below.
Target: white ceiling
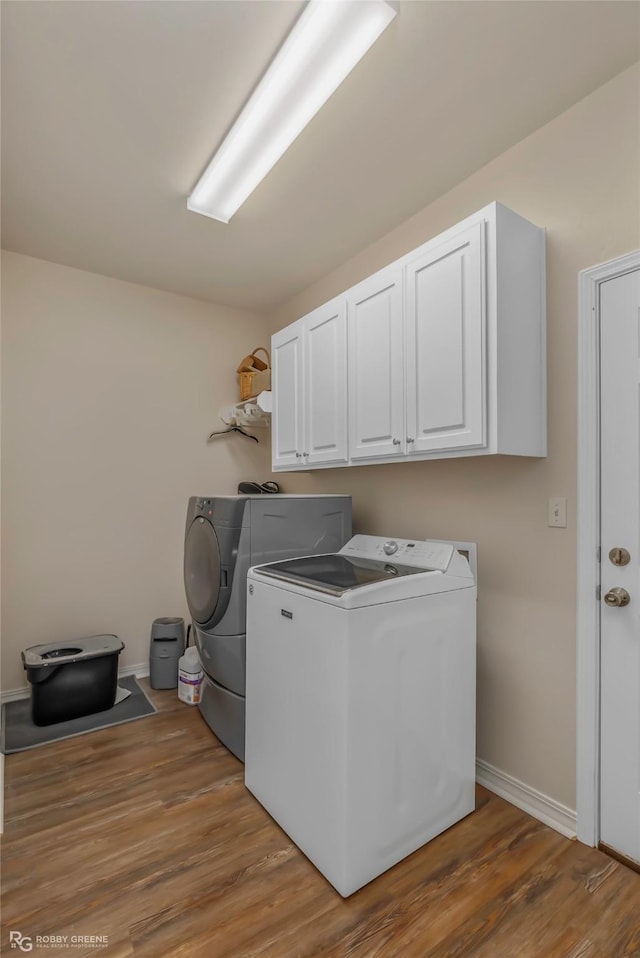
(111, 110)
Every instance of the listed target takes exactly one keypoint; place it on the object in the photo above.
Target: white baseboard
(140, 671)
(529, 799)
(13, 695)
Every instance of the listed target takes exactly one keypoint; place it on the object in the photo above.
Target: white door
(287, 437)
(325, 384)
(446, 383)
(376, 374)
(620, 530)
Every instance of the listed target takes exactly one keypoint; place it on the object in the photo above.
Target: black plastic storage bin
(71, 679)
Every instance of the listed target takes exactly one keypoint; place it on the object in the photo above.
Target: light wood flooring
(144, 833)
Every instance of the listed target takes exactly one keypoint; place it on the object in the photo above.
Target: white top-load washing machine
(360, 723)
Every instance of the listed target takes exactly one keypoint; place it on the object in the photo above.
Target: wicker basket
(254, 373)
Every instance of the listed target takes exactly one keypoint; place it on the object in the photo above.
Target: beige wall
(578, 177)
(109, 391)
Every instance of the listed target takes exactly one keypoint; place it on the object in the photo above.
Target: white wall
(109, 392)
(578, 177)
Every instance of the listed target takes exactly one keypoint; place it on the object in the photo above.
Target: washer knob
(390, 547)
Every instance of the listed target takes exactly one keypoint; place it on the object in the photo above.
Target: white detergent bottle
(190, 676)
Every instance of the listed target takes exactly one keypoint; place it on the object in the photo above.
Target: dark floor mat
(20, 733)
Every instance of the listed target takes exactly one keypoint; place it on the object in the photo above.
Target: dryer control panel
(420, 554)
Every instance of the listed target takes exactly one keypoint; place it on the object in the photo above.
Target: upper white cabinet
(375, 365)
(287, 439)
(309, 359)
(445, 345)
(440, 354)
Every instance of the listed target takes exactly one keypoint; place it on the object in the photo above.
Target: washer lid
(336, 574)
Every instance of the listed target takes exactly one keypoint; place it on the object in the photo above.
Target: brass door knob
(615, 598)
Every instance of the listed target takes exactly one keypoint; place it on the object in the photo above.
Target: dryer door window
(202, 570)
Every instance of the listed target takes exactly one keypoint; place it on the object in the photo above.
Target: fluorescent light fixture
(326, 42)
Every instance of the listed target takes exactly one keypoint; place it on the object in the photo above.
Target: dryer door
(202, 570)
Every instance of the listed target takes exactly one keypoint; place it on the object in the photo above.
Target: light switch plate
(557, 512)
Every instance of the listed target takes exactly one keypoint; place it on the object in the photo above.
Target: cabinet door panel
(445, 317)
(287, 434)
(374, 322)
(326, 383)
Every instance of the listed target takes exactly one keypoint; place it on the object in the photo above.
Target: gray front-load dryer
(224, 537)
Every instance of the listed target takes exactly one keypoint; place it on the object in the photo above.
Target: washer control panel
(421, 554)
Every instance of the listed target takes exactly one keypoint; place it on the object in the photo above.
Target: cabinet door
(287, 420)
(325, 383)
(376, 400)
(445, 329)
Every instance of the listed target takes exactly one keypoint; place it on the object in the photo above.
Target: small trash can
(166, 647)
(72, 679)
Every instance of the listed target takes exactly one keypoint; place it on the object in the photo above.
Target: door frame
(588, 545)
